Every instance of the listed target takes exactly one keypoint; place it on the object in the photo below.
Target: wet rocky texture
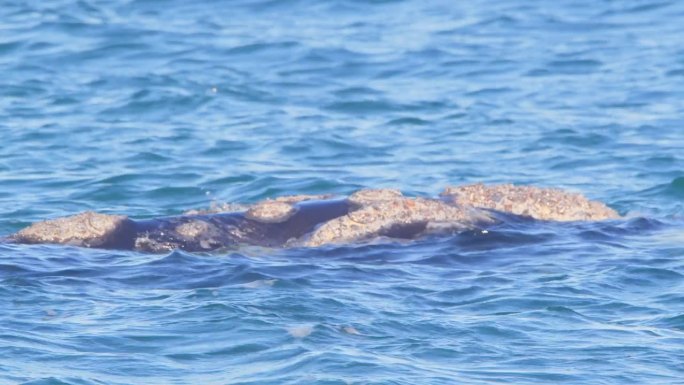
(205, 234)
(88, 229)
(271, 211)
(315, 220)
(538, 203)
(280, 209)
(388, 213)
(193, 232)
(196, 235)
(370, 196)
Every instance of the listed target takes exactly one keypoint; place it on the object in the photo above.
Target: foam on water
(153, 108)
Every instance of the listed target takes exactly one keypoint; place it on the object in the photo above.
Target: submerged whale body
(315, 220)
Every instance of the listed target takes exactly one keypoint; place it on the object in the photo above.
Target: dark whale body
(230, 229)
(200, 232)
(312, 221)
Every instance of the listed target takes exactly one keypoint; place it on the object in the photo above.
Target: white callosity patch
(375, 214)
(88, 229)
(538, 203)
(194, 229)
(270, 211)
(384, 211)
(204, 233)
(368, 196)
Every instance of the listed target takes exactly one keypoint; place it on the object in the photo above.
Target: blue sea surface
(155, 107)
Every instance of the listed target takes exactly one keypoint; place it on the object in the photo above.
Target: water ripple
(152, 108)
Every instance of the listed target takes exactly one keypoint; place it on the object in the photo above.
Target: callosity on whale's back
(312, 221)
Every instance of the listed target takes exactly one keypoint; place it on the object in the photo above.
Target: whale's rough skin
(388, 213)
(87, 229)
(271, 211)
(538, 203)
(316, 220)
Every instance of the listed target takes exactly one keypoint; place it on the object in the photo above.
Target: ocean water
(154, 107)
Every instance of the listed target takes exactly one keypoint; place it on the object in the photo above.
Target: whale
(318, 220)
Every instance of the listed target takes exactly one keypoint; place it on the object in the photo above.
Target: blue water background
(151, 107)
